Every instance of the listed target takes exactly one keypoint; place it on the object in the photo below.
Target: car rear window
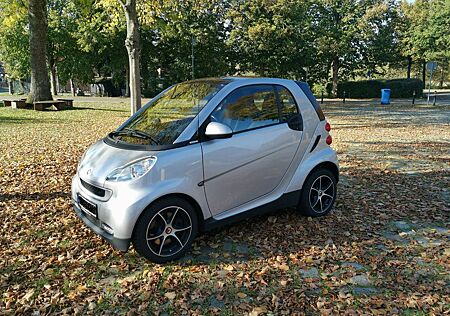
(305, 88)
(287, 102)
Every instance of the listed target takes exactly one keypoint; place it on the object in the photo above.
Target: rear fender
(317, 157)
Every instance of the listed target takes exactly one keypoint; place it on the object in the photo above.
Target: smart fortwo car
(203, 153)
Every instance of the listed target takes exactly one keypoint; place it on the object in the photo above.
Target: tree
(67, 59)
(133, 49)
(179, 26)
(437, 36)
(337, 35)
(379, 37)
(40, 84)
(14, 52)
(271, 38)
(132, 43)
(14, 38)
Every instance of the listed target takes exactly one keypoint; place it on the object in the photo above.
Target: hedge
(400, 88)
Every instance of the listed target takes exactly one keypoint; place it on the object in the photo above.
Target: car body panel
(177, 171)
(234, 165)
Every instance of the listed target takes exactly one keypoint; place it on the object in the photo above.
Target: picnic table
(69, 102)
(41, 105)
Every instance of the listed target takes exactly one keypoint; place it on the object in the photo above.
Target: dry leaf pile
(383, 250)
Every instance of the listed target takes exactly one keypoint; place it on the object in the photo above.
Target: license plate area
(88, 207)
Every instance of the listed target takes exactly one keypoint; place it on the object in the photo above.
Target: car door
(267, 130)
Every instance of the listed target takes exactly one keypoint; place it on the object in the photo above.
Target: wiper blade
(135, 133)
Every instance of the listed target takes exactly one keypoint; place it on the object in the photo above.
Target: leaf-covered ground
(383, 250)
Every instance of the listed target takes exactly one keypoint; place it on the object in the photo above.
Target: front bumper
(117, 243)
(117, 211)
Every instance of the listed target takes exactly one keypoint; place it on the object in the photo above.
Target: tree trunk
(335, 66)
(58, 87)
(53, 79)
(132, 45)
(127, 82)
(10, 87)
(40, 84)
(424, 73)
(72, 87)
(408, 71)
(21, 87)
(145, 75)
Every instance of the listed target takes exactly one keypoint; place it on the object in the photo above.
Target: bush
(400, 88)
(318, 89)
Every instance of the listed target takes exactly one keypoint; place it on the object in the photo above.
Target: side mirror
(216, 130)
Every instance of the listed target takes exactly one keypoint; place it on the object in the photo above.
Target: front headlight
(133, 170)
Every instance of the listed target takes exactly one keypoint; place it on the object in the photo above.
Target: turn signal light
(329, 140)
(327, 127)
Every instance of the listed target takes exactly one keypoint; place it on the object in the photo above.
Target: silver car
(204, 153)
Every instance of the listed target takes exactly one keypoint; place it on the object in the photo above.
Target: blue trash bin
(385, 96)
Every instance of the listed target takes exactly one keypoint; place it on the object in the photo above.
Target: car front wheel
(165, 230)
(318, 193)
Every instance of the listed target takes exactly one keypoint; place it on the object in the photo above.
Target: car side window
(247, 108)
(288, 106)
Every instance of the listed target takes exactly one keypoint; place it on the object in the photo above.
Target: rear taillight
(327, 127)
(329, 140)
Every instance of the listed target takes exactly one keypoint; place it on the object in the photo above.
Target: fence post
(414, 97)
(321, 98)
(343, 100)
(434, 97)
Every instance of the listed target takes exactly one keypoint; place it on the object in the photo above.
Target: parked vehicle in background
(203, 153)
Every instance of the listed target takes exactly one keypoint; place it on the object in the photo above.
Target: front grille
(92, 188)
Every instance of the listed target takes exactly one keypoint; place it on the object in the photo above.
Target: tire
(166, 229)
(318, 193)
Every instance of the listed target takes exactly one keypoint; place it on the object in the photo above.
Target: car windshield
(165, 118)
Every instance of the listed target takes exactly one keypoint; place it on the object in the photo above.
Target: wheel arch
(189, 199)
(326, 165)
(324, 158)
(305, 206)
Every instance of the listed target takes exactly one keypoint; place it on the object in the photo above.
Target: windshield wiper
(135, 133)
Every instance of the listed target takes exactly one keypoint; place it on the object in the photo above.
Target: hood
(100, 159)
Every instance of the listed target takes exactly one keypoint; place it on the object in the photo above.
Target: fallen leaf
(170, 295)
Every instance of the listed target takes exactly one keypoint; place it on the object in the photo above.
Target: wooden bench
(8, 102)
(18, 104)
(41, 105)
(69, 102)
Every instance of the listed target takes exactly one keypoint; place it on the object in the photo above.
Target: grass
(394, 166)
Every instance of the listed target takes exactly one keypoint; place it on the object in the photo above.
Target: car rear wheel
(165, 230)
(318, 193)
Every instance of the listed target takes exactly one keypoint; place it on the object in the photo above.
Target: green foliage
(271, 38)
(318, 89)
(427, 35)
(170, 39)
(64, 51)
(400, 88)
(299, 39)
(14, 51)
